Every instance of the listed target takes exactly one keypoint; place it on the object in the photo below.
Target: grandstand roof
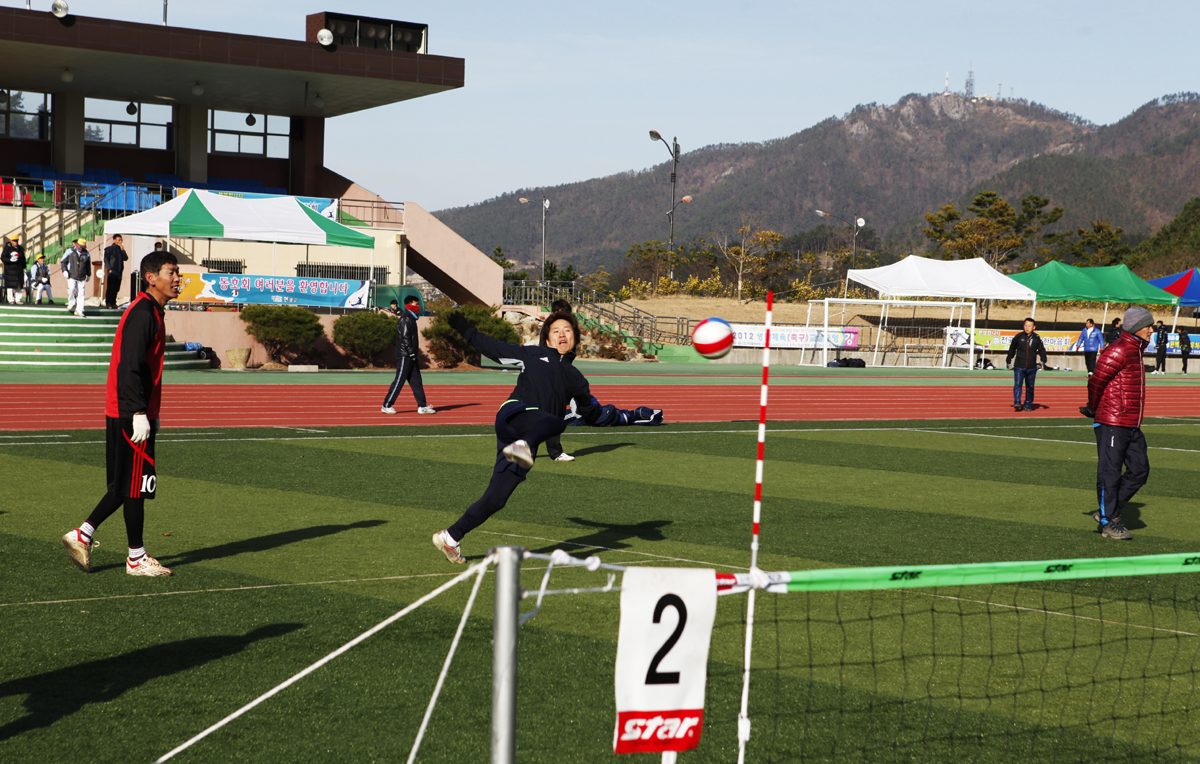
(122, 60)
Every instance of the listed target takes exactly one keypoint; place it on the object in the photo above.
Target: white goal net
(894, 333)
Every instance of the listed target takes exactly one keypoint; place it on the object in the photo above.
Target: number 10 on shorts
(662, 658)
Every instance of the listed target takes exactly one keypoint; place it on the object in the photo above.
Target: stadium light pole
(857, 225)
(673, 150)
(545, 206)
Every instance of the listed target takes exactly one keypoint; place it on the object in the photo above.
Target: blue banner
(1173, 344)
(232, 289)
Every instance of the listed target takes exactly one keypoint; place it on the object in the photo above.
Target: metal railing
(342, 271)
(603, 308)
(377, 214)
(218, 265)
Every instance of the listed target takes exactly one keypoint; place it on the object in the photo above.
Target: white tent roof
(922, 277)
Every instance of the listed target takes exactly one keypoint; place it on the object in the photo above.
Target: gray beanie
(1136, 319)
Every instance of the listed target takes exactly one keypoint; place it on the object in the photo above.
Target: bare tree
(746, 252)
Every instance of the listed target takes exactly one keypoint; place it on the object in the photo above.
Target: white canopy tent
(923, 277)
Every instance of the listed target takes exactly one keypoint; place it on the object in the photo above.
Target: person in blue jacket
(1091, 341)
(532, 414)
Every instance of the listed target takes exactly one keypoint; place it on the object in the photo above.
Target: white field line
(34, 436)
(619, 551)
(1055, 612)
(1039, 440)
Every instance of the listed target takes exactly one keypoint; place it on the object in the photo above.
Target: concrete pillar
(191, 143)
(307, 152)
(67, 132)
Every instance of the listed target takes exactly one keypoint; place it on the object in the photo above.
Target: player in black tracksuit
(532, 413)
(407, 369)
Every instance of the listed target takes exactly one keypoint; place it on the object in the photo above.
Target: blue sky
(564, 91)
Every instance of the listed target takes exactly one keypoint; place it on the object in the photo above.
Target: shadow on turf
(600, 449)
(1131, 516)
(263, 543)
(609, 536)
(57, 694)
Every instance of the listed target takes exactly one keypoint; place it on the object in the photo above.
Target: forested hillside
(888, 164)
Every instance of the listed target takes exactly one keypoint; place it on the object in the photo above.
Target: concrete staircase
(48, 338)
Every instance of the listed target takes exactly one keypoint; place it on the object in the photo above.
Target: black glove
(1087, 412)
(459, 323)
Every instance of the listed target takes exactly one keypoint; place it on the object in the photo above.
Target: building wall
(24, 150)
(130, 161)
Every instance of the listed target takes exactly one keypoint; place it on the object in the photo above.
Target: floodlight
(59, 9)
(250, 120)
(325, 37)
(131, 109)
(860, 222)
(318, 101)
(686, 199)
(546, 204)
(197, 89)
(654, 136)
(67, 76)
(822, 214)
(523, 200)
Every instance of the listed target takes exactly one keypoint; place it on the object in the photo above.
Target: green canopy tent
(1055, 281)
(201, 214)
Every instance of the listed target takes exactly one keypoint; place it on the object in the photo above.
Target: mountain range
(887, 164)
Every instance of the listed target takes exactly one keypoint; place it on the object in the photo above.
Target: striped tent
(198, 214)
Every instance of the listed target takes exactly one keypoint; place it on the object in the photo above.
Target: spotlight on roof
(250, 120)
(67, 75)
(325, 38)
(131, 109)
(60, 8)
(197, 89)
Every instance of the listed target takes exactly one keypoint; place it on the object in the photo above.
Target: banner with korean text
(804, 337)
(236, 289)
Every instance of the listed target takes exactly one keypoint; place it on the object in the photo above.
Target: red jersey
(135, 369)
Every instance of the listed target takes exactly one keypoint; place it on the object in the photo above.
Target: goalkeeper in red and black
(133, 393)
(531, 415)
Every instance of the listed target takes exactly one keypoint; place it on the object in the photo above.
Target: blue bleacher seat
(23, 168)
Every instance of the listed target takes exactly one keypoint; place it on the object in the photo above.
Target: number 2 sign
(662, 658)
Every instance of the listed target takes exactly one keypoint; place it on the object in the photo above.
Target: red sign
(658, 731)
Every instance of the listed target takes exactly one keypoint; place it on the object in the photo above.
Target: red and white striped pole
(743, 715)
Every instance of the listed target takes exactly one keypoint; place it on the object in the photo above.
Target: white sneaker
(426, 410)
(388, 410)
(564, 457)
(518, 453)
(79, 552)
(146, 566)
(446, 545)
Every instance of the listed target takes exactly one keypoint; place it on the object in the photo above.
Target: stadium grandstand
(102, 118)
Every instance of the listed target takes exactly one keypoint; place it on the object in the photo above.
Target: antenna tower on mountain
(970, 91)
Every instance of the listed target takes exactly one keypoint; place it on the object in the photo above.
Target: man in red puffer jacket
(1117, 401)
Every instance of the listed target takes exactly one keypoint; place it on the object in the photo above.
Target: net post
(504, 655)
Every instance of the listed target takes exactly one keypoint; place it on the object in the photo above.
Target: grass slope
(286, 549)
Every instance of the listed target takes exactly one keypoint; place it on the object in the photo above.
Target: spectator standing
(1117, 401)
(407, 369)
(1185, 347)
(77, 267)
(1113, 332)
(114, 268)
(131, 414)
(1091, 343)
(39, 280)
(1160, 348)
(1023, 353)
(15, 264)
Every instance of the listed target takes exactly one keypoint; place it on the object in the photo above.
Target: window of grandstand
(231, 132)
(341, 271)
(110, 122)
(24, 114)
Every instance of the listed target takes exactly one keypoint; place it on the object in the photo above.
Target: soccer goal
(895, 333)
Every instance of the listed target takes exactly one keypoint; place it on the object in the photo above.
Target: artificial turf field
(287, 544)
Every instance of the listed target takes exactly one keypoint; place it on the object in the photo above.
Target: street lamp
(545, 206)
(673, 149)
(857, 225)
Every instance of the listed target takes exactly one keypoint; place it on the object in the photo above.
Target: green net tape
(909, 576)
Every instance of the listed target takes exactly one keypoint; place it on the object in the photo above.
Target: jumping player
(406, 357)
(532, 413)
(131, 411)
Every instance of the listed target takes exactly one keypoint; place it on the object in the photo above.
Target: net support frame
(885, 305)
(504, 654)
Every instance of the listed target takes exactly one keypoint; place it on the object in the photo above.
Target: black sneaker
(1114, 530)
(1029, 407)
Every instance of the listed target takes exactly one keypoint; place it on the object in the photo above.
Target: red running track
(74, 407)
